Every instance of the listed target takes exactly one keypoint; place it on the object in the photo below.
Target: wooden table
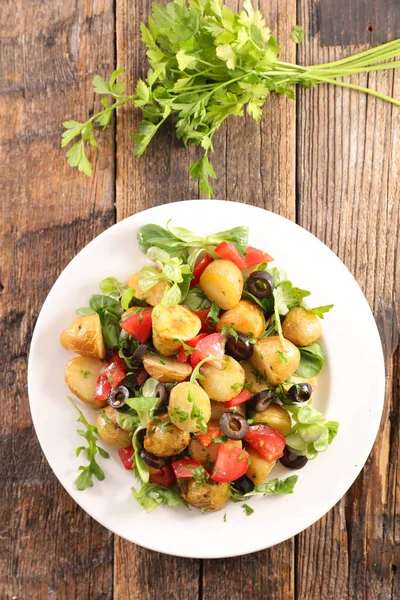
(330, 161)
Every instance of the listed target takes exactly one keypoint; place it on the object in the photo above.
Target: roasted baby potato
(256, 382)
(276, 416)
(223, 383)
(258, 468)
(274, 361)
(301, 327)
(222, 283)
(296, 379)
(85, 337)
(167, 370)
(109, 430)
(165, 443)
(152, 296)
(218, 409)
(246, 317)
(81, 375)
(165, 347)
(172, 324)
(211, 495)
(180, 407)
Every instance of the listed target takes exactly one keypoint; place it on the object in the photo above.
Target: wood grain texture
(348, 173)
(49, 548)
(255, 163)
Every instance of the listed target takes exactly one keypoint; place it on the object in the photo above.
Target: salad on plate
(201, 370)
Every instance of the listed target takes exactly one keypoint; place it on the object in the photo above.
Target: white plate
(350, 390)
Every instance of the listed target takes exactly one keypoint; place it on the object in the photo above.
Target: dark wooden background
(330, 161)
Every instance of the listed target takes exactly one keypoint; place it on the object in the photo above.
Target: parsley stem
(112, 107)
(358, 88)
(358, 58)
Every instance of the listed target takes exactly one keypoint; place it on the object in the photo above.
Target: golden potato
(152, 296)
(109, 431)
(218, 409)
(301, 327)
(165, 347)
(180, 407)
(276, 416)
(274, 361)
(165, 443)
(175, 322)
(258, 468)
(85, 337)
(223, 383)
(222, 283)
(166, 369)
(246, 317)
(253, 377)
(296, 379)
(211, 495)
(81, 375)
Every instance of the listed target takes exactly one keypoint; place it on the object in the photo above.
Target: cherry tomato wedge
(239, 399)
(231, 463)
(206, 439)
(199, 268)
(138, 325)
(126, 456)
(164, 476)
(182, 356)
(255, 257)
(229, 252)
(268, 442)
(110, 376)
(187, 468)
(211, 345)
(207, 324)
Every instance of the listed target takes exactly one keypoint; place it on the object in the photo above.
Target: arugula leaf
(287, 296)
(274, 486)
(312, 360)
(320, 310)
(150, 496)
(85, 479)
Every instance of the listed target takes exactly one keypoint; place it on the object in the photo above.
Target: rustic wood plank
(267, 179)
(348, 174)
(49, 547)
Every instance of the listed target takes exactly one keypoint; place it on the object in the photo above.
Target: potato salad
(200, 370)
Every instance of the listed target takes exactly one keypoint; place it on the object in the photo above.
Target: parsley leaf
(320, 310)
(297, 34)
(247, 509)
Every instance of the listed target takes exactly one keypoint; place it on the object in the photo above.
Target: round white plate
(350, 388)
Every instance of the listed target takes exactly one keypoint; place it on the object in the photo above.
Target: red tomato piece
(110, 376)
(138, 325)
(184, 468)
(268, 442)
(229, 252)
(239, 399)
(211, 345)
(164, 476)
(141, 376)
(126, 456)
(206, 439)
(182, 356)
(207, 325)
(231, 463)
(199, 268)
(254, 257)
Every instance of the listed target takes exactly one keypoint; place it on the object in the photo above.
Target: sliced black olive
(137, 356)
(158, 462)
(161, 391)
(262, 400)
(235, 427)
(300, 392)
(117, 398)
(292, 461)
(260, 284)
(243, 485)
(239, 349)
(141, 434)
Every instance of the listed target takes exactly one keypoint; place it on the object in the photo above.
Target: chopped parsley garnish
(247, 509)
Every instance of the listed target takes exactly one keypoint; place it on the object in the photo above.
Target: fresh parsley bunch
(208, 62)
